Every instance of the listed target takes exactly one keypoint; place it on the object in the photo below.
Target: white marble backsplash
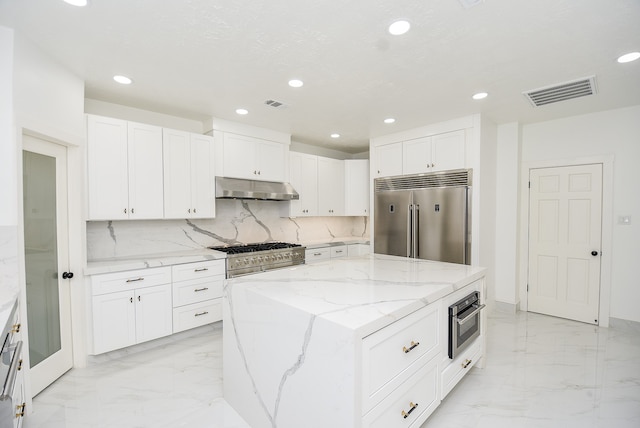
(236, 222)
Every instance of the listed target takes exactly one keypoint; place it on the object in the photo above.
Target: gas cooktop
(260, 257)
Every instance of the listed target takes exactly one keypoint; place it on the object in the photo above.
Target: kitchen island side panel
(284, 367)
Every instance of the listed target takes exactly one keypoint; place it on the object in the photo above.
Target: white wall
(506, 237)
(617, 133)
(8, 171)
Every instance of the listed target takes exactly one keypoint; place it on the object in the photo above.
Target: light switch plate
(624, 219)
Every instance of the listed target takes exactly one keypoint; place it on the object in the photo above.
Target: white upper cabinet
(303, 177)
(416, 156)
(188, 175)
(253, 158)
(388, 160)
(356, 187)
(124, 170)
(448, 151)
(330, 187)
(108, 176)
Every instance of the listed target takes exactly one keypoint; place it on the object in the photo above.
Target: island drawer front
(196, 270)
(390, 355)
(197, 290)
(317, 254)
(130, 280)
(460, 366)
(419, 392)
(197, 314)
(338, 251)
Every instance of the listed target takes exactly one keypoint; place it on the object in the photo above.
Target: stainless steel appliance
(425, 216)
(464, 323)
(239, 188)
(253, 258)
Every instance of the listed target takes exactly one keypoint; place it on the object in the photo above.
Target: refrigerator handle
(410, 231)
(416, 231)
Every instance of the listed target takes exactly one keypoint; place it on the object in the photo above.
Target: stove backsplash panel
(237, 222)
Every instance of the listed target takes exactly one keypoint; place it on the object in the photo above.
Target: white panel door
(565, 210)
(416, 156)
(304, 179)
(114, 321)
(154, 312)
(448, 151)
(330, 187)
(145, 171)
(388, 160)
(202, 177)
(176, 150)
(107, 171)
(271, 161)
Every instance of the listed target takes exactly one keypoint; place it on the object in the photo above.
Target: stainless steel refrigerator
(425, 216)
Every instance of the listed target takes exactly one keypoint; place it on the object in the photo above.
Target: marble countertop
(362, 293)
(151, 260)
(168, 259)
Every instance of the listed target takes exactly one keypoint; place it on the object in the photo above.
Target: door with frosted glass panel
(46, 260)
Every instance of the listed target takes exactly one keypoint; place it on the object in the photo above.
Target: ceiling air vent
(564, 91)
(275, 104)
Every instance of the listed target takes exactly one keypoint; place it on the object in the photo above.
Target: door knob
(594, 253)
(67, 275)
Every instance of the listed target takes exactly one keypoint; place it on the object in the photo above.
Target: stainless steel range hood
(237, 188)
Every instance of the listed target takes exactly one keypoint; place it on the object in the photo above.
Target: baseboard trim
(624, 325)
(507, 308)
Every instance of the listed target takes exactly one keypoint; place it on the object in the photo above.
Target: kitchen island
(342, 343)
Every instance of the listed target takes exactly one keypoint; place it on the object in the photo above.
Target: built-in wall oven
(464, 322)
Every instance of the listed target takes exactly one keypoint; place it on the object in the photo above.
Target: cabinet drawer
(460, 366)
(197, 270)
(419, 393)
(317, 254)
(338, 251)
(197, 290)
(129, 280)
(197, 314)
(391, 354)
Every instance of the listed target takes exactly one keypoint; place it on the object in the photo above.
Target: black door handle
(594, 253)
(67, 275)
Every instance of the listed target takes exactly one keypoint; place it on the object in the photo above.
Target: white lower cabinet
(460, 366)
(140, 311)
(197, 294)
(411, 404)
(317, 254)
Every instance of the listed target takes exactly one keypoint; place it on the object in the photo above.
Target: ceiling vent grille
(564, 91)
(455, 178)
(275, 104)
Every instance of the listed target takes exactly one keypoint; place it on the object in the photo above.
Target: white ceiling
(202, 58)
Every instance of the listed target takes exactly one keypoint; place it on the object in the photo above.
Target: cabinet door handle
(20, 409)
(194, 210)
(412, 406)
(201, 270)
(201, 289)
(410, 348)
(132, 212)
(189, 211)
(16, 328)
(135, 280)
(125, 210)
(201, 313)
(138, 298)
(131, 299)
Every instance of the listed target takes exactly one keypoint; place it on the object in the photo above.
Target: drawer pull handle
(413, 406)
(201, 313)
(410, 348)
(201, 270)
(466, 364)
(201, 289)
(317, 254)
(338, 251)
(20, 409)
(20, 364)
(16, 328)
(135, 280)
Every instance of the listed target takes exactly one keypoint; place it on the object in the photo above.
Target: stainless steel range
(253, 258)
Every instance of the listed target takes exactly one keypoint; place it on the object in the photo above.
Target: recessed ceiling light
(399, 27)
(389, 120)
(242, 111)
(79, 3)
(631, 56)
(335, 135)
(122, 79)
(295, 83)
(479, 95)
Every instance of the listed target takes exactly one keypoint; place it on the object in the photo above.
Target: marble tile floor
(541, 372)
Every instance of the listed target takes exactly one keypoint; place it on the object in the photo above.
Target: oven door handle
(468, 317)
